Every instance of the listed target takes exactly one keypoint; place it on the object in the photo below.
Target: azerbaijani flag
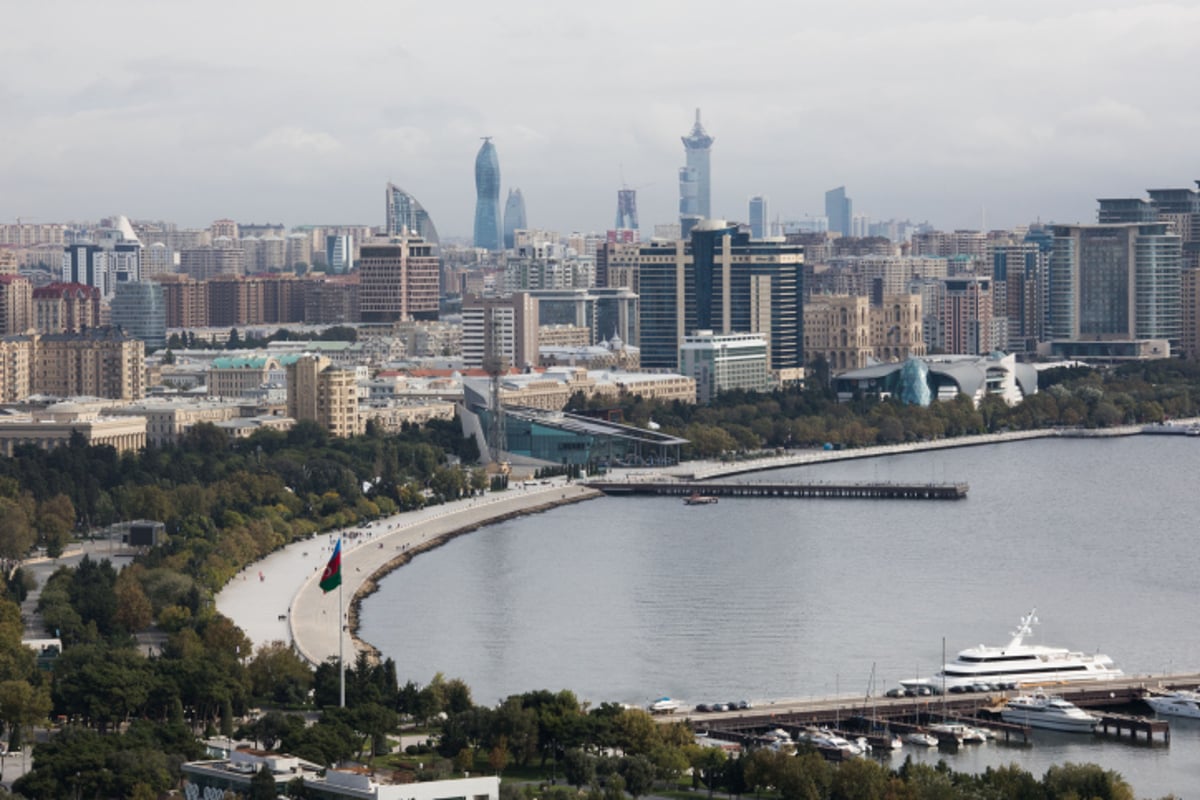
(331, 578)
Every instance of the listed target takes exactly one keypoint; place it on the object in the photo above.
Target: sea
(629, 599)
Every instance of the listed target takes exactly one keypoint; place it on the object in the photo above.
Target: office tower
(339, 253)
(759, 226)
(140, 310)
(113, 257)
(627, 218)
(1117, 282)
(503, 328)
(966, 316)
(487, 197)
(721, 280)
(398, 280)
(407, 217)
(839, 210)
(1018, 294)
(514, 216)
(695, 184)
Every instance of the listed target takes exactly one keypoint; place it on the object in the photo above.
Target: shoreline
(383, 546)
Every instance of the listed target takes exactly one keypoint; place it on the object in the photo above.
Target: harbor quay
(1110, 700)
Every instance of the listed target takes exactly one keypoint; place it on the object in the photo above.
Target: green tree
(262, 785)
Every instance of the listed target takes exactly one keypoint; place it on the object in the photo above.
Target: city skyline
(935, 112)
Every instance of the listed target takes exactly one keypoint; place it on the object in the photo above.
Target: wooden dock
(839, 491)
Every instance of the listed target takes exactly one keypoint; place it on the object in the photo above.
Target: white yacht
(1017, 663)
(921, 739)
(663, 705)
(1182, 703)
(1051, 713)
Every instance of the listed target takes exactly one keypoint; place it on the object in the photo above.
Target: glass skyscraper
(759, 225)
(487, 197)
(514, 216)
(695, 185)
(404, 213)
(839, 211)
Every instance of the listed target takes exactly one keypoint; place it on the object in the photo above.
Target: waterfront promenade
(277, 598)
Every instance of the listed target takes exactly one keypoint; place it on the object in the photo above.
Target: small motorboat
(697, 499)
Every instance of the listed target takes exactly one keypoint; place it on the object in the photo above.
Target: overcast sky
(300, 112)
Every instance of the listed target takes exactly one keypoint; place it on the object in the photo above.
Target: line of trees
(739, 421)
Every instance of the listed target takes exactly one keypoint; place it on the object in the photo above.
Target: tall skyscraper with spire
(695, 186)
(627, 218)
(514, 216)
(487, 197)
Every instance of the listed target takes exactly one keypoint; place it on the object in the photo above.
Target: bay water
(629, 599)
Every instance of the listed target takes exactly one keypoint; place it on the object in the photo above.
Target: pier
(840, 491)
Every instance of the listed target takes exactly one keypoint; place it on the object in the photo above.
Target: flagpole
(341, 640)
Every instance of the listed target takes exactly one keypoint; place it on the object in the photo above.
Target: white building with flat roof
(719, 362)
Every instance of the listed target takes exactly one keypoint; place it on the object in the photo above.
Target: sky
(961, 113)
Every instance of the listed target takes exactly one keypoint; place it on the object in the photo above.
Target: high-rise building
(185, 301)
(502, 330)
(140, 310)
(339, 253)
(1116, 282)
(487, 197)
(627, 218)
(721, 280)
(839, 210)
(407, 217)
(514, 216)
(16, 304)
(113, 259)
(398, 280)
(1018, 293)
(695, 179)
(966, 316)
(759, 224)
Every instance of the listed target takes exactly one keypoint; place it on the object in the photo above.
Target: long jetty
(855, 491)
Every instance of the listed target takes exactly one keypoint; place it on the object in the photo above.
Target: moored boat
(697, 499)
(1181, 703)
(1049, 713)
(1016, 663)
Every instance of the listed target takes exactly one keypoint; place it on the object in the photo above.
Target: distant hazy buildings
(339, 253)
(407, 217)
(695, 179)
(113, 257)
(839, 211)
(514, 216)
(16, 304)
(759, 220)
(487, 197)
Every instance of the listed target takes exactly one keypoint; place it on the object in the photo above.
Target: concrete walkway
(278, 599)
